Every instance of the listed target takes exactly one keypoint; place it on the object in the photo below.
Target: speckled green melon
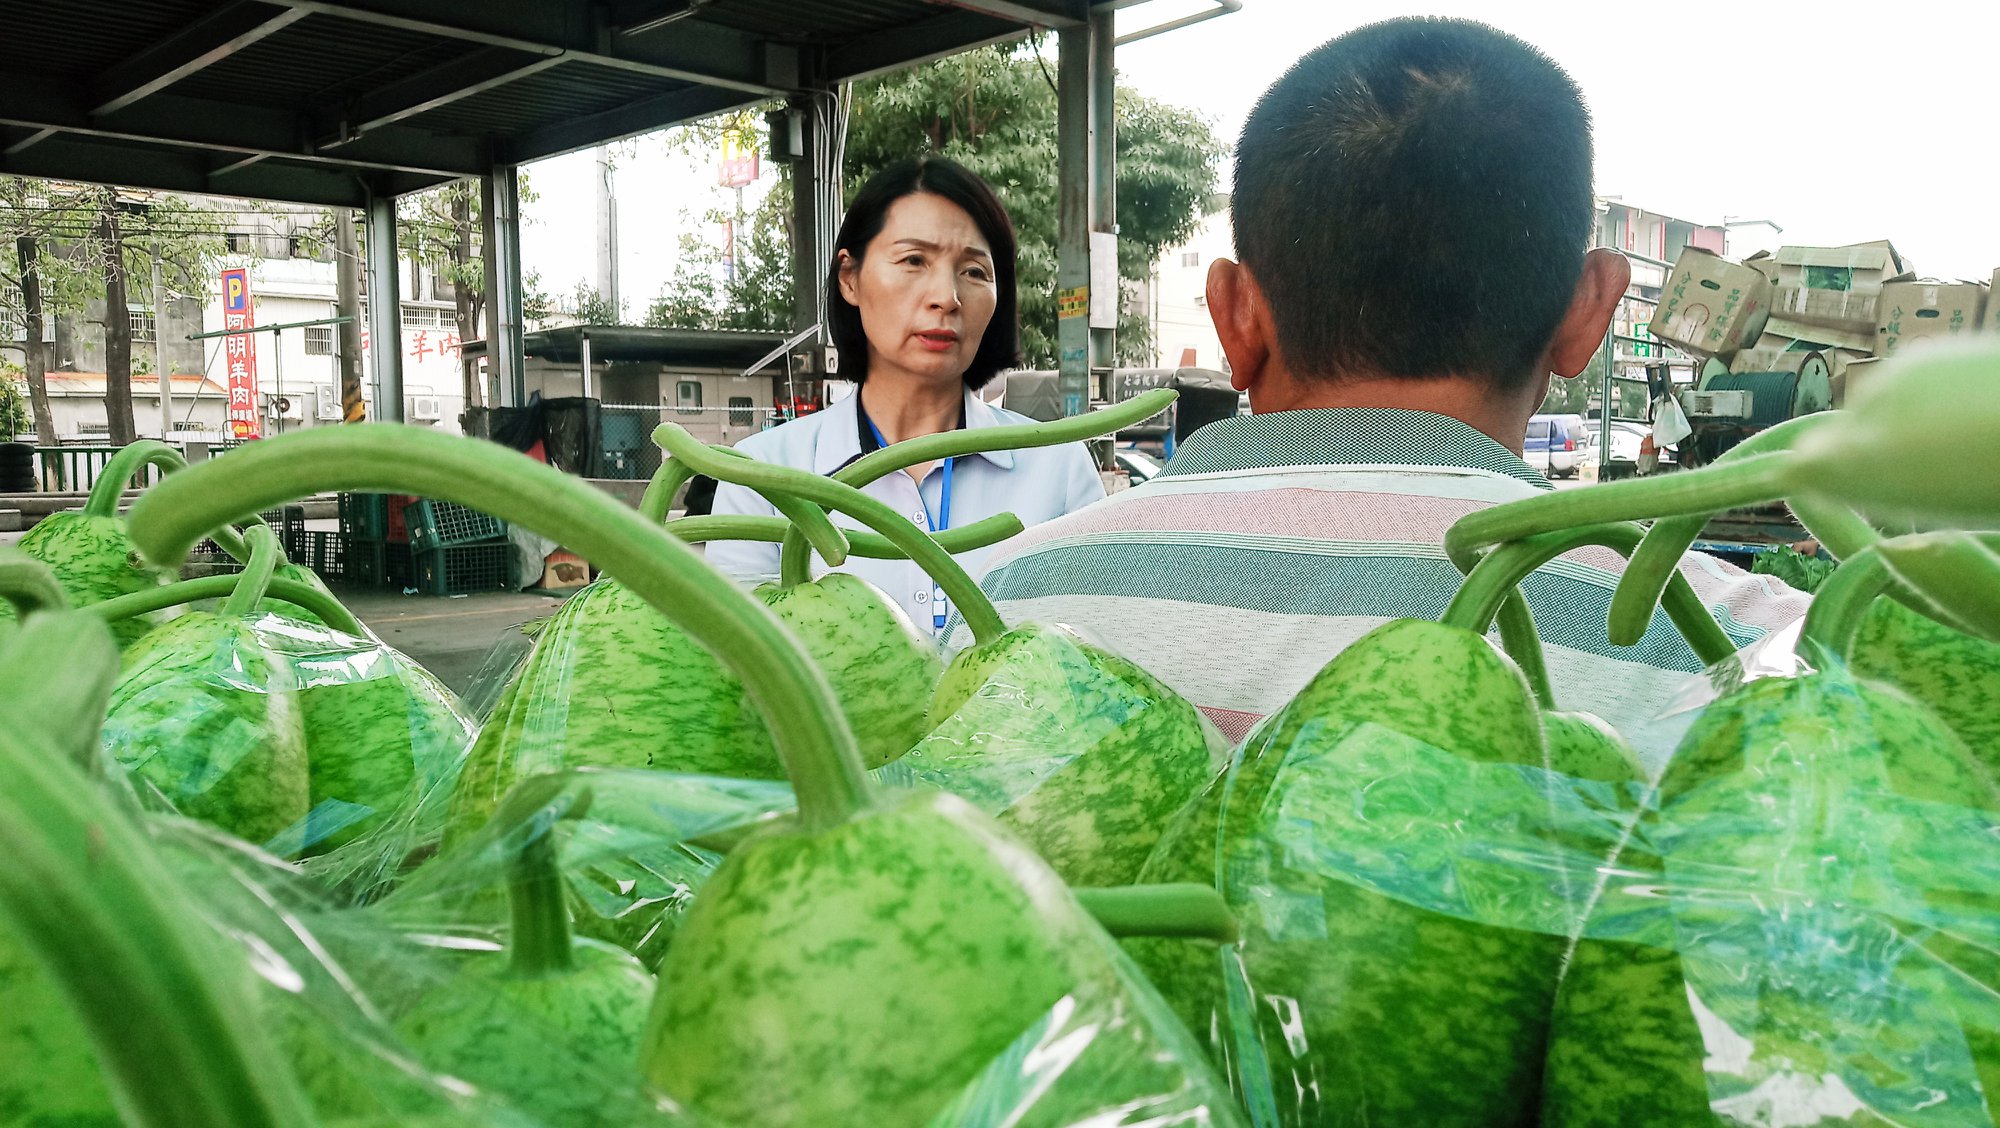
(1367, 1009)
(1079, 751)
(1798, 758)
(549, 1043)
(94, 559)
(1955, 674)
(881, 668)
(205, 718)
(610, 683)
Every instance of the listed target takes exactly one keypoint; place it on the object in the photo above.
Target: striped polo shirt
(1269, 542)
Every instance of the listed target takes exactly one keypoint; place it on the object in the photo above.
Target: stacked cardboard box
(1712, 306)
(1914, 314)
(1836, 288)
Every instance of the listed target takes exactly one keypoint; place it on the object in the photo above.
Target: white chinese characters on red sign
(239, 354)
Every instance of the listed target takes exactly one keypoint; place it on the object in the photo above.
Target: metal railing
(75, 468)
(627, 432)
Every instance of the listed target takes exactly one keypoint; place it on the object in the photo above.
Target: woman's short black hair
(1000, 348)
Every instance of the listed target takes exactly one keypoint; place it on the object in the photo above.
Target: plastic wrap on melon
(1795, 922)
(1077, 750)
(333, 989)
(381, 731)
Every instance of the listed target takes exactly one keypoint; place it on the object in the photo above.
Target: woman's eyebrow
(927, 245)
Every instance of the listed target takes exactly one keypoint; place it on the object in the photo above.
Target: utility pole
(607, 232)
(347, 302)
(160, 347)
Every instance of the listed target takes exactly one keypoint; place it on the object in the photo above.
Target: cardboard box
(1914, 314)
(563, 570)
(1712, 306)
(1836, 287)
(1821, 336)
(1847, 378)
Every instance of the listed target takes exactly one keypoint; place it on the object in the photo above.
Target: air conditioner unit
(1717, 405)
(329, 406)
(425, 408)
(286, 407)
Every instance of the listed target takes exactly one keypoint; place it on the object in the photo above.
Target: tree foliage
(993, 110)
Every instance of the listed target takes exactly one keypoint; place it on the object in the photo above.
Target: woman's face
(925, 288)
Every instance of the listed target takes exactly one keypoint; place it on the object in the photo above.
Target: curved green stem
(658, 500)
(90, 898)
(1753, 480)
(315, 601)
(1190, 910)
(1838, 529)
(130, 459)
(1522, 641)
(805, 720)
(1496, 579)
(747, 527)
(1019, 436)
(539, 941)
(29, 585)
(1956, 572)
(768, 479)
(826, 538)
(1834, 617)
(255, 579)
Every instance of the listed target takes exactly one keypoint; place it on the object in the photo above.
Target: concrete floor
(470, 642)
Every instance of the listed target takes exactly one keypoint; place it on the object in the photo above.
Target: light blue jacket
(1036, 485)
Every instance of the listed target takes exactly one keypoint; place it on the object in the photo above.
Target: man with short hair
(1413, 211)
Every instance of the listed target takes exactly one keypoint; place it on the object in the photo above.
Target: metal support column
(1073, 187)
(808, 268)
(385, 311)
(1105, 292)
(500, 220)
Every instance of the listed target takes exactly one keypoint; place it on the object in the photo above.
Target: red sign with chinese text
(239, 354)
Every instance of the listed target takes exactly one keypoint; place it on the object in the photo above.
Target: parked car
(1137, 464)
(1552, 444)
(1626, 439)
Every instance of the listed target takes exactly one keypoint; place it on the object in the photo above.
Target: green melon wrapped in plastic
(877, 961)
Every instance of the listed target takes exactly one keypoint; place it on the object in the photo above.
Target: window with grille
(319, 340)
(687, 397)
(1190, 258)
(427, 317)
(742, 411)
(238, 242)
(295, 246)
(140, 322)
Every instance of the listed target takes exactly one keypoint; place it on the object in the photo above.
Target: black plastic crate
(326, 554)
(441, 524)
(364, 516)
(371, 563)
(207, 558)
(459, 569)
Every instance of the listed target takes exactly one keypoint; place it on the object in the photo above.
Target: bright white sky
(1841, 121)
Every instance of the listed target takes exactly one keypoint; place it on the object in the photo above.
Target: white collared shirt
(1037, 484)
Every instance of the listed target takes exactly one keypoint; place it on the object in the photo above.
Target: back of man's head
(1414, 199)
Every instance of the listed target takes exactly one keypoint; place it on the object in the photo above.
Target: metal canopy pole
(1105, 290)
(385, 311)
(500, 219)
(1074, 59)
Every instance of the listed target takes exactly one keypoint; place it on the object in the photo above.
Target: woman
(921, 297)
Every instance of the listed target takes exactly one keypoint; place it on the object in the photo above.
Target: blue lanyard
(940, 610)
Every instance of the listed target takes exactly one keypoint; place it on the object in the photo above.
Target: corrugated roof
(329, 103)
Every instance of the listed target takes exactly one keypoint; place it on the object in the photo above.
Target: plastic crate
(376, 517)
(440, 524)
(364, 516)
(208, 559)
(374, 563)
(326, 554)
(459, 569)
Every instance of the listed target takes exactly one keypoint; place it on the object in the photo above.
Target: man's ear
(1606, 273)
(848, 265)
(1242, 321)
